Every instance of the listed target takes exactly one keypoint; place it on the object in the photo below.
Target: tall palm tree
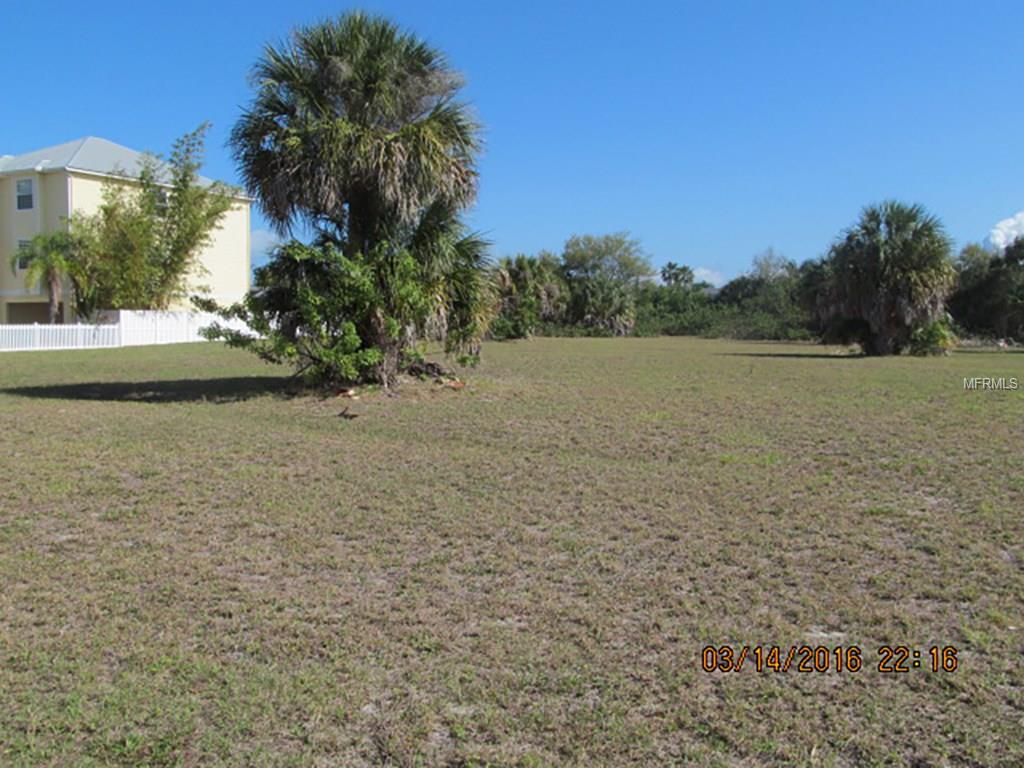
(888, 275)
(49, 262)
(356, 131)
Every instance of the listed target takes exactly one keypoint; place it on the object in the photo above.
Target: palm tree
(356, 131)
(530, 291)
(457, 277)
(675, 275)
(888, 275)
(49, 262)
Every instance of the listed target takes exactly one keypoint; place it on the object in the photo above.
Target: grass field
(199, 569)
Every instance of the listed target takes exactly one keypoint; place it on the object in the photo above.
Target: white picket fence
(28, 337)
(121, 328)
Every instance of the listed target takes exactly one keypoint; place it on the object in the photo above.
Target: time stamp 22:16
(890, 659)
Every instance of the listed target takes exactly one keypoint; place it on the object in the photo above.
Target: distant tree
(618, 257)
(764, 303)
(989, 299)
(356, 131)
(770, 272)
(49, 262)
(889, 275)
(673, 309)
(550, 287)
(973, 263)
(140, 248)
(769, 265)
(812, 282)
(677, 276)
(739, 290)
(531, 292)
(968, 303)
(602, 303)
(603, 274)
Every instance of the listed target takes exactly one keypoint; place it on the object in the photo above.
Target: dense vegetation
(888, 284)
(989, 299)
(603, 286)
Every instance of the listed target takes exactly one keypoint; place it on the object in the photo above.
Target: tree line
(889, 283)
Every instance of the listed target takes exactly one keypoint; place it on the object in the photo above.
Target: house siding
(16, 226)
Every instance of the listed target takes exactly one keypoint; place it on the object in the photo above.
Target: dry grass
(201, 570)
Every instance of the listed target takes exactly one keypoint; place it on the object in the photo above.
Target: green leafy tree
(972, 264)
(618, 257)
(50, 262)
(888, 275)
(989, 299)
(356, 130)
(140, 249)
(603, 274)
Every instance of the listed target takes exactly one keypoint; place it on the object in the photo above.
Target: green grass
(197, 568)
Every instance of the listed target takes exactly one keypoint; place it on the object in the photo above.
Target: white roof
(89, 155)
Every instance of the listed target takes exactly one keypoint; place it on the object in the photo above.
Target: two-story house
(40, 190)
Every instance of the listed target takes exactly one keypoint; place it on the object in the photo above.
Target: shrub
(935, 338)
(306, 309)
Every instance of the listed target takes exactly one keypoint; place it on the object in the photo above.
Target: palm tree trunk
(390, 348)
(54, 308)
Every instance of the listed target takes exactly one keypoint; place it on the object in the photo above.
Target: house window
(23, 246)
(24, 191)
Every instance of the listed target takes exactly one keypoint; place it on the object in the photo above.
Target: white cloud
(705, 275)
(261, 242)
(1006, 231)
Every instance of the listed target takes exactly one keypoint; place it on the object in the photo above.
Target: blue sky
(711, 131)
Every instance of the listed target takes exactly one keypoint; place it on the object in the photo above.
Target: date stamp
(887, 659)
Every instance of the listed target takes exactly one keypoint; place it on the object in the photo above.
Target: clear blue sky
(709, 130)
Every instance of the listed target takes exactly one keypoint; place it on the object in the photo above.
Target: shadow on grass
(230, 390)
(796, 355)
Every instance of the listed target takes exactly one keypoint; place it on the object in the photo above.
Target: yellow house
(40, 190)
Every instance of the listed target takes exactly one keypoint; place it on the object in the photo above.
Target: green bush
(309, 308)
(935, 338)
